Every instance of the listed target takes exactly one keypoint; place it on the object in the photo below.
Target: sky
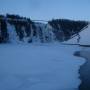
(47, 9)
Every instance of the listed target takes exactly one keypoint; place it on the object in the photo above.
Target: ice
(39, 67)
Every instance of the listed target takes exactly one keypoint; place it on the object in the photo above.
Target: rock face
(16, 29)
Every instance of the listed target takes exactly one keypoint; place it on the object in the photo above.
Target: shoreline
(84, 70)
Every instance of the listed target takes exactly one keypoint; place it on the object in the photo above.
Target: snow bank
(39, 67)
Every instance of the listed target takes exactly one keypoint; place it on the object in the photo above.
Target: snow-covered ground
(39, 67)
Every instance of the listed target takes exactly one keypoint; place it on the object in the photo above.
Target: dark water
(84, 70)
(85, 76)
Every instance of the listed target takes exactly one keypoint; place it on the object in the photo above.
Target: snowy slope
(84, 37)
(39, 67)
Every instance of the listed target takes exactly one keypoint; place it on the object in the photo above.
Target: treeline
(66, 28)
(3, 31)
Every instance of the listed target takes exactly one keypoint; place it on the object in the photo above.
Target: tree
(4, 34)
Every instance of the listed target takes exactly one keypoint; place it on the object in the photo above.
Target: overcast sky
(47, 9)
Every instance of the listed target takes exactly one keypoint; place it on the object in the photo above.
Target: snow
(84, 37)
(72, 41)
(39, 67)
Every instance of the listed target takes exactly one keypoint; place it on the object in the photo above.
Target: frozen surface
(39, 67)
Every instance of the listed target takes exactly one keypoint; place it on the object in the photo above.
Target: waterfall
(44, 33)
(13, 38)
